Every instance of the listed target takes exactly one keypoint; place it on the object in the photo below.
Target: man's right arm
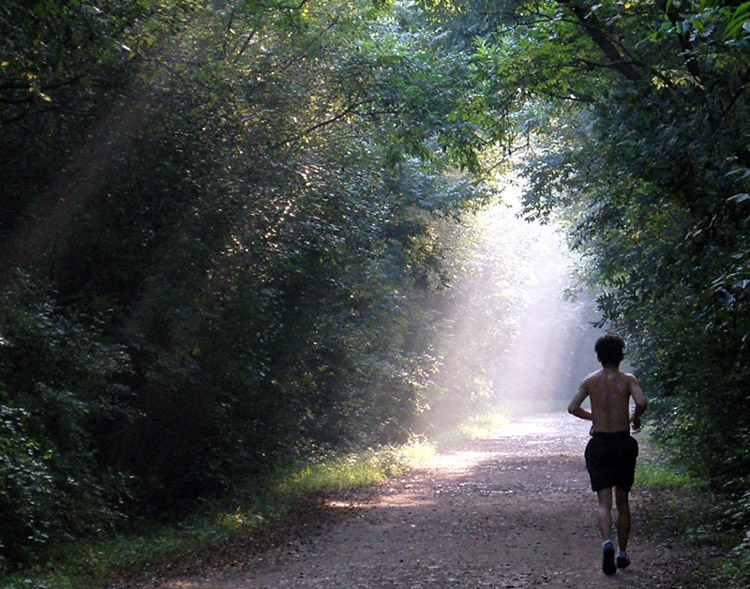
(640, 402)
(575, 404)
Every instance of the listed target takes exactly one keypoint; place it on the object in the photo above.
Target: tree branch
(47, 86)
(687, 49)
(225, 41)
(244, 46)
(350, 108)
(736, 96)
(597, 31)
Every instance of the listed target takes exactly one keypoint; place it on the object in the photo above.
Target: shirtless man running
(611, 451)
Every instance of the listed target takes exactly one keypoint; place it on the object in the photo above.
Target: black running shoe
(623, 560)
(608, 559)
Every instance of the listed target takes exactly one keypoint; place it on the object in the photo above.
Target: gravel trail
(512, 511)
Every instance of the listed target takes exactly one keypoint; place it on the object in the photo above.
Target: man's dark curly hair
(610, 349)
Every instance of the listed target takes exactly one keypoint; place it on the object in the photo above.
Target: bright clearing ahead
(535, 344)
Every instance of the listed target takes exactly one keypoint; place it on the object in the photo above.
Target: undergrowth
(692, 511)
(482, 426)
(88, 563)
(479, 426)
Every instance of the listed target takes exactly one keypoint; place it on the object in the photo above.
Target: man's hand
(636, 422)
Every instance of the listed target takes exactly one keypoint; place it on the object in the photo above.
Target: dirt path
(513, 511)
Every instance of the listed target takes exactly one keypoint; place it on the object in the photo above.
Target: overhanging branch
(597, 32)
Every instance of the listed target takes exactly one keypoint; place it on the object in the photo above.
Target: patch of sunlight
(239, 520)
(461, 460)
(405, 501)
(418, 452)
(484, 426)
(357, 469)
(345, 504)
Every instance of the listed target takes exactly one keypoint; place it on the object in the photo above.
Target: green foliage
(63, 64)
(355, 470)
(471, 427)
(658, 469)
(58, 386)
(734, 569)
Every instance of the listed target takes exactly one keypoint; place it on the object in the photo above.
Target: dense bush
(61, 384)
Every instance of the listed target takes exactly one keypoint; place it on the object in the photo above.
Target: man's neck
(615, 367)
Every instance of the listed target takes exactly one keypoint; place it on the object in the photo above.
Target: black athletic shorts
(610, 460)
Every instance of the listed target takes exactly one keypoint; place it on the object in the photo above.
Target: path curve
(512, 511)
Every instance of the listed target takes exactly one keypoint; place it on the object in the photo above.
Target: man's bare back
(610, 390)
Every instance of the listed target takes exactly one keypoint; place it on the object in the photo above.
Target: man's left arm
(640, 402)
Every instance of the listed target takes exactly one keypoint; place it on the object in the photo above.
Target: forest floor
(512, 511)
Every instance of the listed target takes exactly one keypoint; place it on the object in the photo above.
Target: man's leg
(604, 519)
(623, 526)
(623, 517)
(604, 513)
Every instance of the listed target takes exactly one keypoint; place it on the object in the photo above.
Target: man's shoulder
(596, 375)
(629, 377)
